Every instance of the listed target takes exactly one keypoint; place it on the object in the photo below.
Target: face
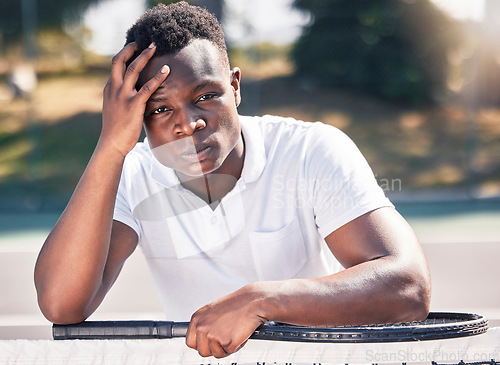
(191, 120)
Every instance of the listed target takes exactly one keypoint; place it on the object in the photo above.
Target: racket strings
(491, 362)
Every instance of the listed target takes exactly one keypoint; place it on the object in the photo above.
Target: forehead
(200, 59)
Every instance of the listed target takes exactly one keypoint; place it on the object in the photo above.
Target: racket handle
(179, 329)
(112, 330)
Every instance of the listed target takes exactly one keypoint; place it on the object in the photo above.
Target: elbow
(60, 311)
(416, 297)
(58, 315)
(62, 304)
(419, 301)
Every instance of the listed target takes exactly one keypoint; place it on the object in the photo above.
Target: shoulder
(138, 160)
(283, 132)
(271, 125)
(140, 154)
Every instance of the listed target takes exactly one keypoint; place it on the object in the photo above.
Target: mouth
(196, 156)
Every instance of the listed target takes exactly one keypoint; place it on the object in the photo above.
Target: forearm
(70, 267)
(382, 290)
(85, 251)
(378, 291)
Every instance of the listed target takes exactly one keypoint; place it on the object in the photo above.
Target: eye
(160, 110)
(206, 97)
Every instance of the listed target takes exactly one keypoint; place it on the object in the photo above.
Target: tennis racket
(436, 326)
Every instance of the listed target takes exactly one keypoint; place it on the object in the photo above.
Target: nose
(187, 125)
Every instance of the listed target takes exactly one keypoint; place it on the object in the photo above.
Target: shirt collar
(255, 152)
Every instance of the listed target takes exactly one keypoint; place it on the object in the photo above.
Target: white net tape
(480, 348)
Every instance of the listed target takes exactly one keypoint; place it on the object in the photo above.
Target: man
(239, 216)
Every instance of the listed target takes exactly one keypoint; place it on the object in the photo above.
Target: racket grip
(112, 330)
(179, 329)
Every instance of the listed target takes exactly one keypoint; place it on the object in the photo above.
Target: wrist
(111, 149)
(108, 154)
(265, 299)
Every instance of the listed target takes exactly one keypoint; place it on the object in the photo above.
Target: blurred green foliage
(50, 14)
(47, 14)
(395, 49)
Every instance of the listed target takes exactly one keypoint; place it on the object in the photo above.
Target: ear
(235, 83)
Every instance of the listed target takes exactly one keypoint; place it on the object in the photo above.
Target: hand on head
(123, 105)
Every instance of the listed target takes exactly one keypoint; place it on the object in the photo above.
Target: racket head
(438, 325)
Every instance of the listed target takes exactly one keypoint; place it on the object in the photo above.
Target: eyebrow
(203, 85)
(157, 100)
(196, 89)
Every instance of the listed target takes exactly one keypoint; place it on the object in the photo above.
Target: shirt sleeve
(123, 212)
(341, 183)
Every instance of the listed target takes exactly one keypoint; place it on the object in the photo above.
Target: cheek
(228, 125)
(228, 113)
(151, 138)
(156, 134)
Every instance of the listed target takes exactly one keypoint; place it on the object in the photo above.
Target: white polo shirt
(300, 182)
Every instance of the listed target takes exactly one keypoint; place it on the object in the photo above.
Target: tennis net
(480, 349)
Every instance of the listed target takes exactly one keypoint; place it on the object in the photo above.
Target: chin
(200, 169)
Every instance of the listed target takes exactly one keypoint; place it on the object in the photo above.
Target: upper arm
(122, 244)
(381, 245)
(380, 233)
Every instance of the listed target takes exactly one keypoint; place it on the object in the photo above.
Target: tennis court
(461, 241)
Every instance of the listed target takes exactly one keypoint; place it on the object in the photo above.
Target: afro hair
(172, 27)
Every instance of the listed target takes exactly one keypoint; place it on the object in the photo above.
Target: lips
(196, 155)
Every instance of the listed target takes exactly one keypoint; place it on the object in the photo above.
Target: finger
(233, 345)
(119, 62)
(191, 336)
(150, 87)
(136, 66)
(217, 350)
(202, 345)
(241, 345)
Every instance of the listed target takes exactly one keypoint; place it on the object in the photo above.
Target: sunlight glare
(463, 9)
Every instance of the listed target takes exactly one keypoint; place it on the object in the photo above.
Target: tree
(53, 14)
(47, 14)
(395, 49)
